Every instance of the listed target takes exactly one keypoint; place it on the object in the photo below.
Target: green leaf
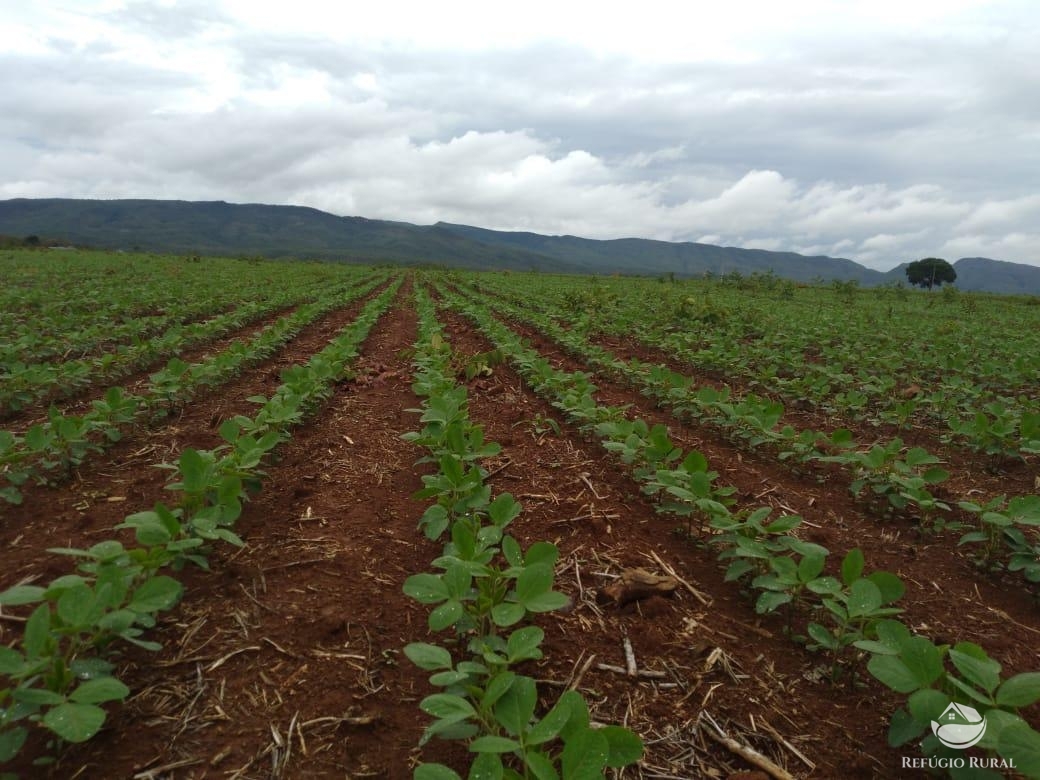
(864, 598)
(487, 766)
(434, 521)
(447, 707)
(230, 537)
(1020, 690)
(37, 631)
(21, 594)
(493, 744)
(893, 634)
(512, 552)
(507, 614)
(927, 704)
(91, 668)
(1021, 744)
(770, 600)
(426, 588)
(542, 553)
(923, 659)
(903, 728)
(75, 606)
(890, 586)
(497, 688)
(550, 726)
(876, 648)
(533, 582)
(970, 691)
(541, 765)
(447, 614)
(444, 679)
(917, 456)
(783, 523)
(579, 714)
(40, 696)
(624, 746)
(99, 691)
(852, 566)
(810, 567)
(523, 644)
(156, 594)
(148, 529)
(11, 661)
(891, 671)
(822, 636)
(824, 586)
(694, 462)
(11, 741)
(935, 475)
(973, 537)
(435, 772)
(427, 656)
(996, 722)
(516, 707)
(547, 602)
(585, 756)
(503, 509)
(457, 579)
(74, 722)
(972, 661)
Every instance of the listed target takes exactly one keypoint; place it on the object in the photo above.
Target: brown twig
(746, 752)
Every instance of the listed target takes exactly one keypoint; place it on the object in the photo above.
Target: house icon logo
(960, 726)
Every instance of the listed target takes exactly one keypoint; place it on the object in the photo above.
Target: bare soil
(285, 661)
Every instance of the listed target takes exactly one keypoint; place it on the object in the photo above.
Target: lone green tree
(930, 271)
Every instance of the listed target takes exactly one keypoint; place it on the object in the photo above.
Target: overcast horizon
(878, 131)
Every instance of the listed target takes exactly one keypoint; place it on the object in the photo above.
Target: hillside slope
(219, 228)
(640, 255)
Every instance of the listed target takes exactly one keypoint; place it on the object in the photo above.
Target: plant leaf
(1020, 690)
(585, 756)
(427, 656)
(75, 722)
(100, 690)
(624, 746)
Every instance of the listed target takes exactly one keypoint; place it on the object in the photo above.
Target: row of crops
(73, 321)
(850, 617)
(739, 353)
(59, 674)
(964, 366)
(888, 476)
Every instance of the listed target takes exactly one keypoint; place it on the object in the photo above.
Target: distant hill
(641, 255)
(986, 275)
(219, 228)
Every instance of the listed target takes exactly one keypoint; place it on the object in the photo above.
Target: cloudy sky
(879, 130)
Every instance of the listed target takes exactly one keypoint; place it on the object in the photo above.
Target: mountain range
(219, 228)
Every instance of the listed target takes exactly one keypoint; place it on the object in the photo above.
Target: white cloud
(1001, 247)
(1001, 213)
(765, 125)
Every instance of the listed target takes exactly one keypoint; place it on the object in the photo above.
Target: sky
(878, 130)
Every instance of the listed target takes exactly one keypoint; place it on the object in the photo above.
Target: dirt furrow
(946, 599)
(125, 478)
(578, 497)
(1006, 477)
(80, 401)
(286, 660)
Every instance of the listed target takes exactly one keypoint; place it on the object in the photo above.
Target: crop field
(277, 520)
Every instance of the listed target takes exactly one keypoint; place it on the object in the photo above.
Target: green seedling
(917, 668)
